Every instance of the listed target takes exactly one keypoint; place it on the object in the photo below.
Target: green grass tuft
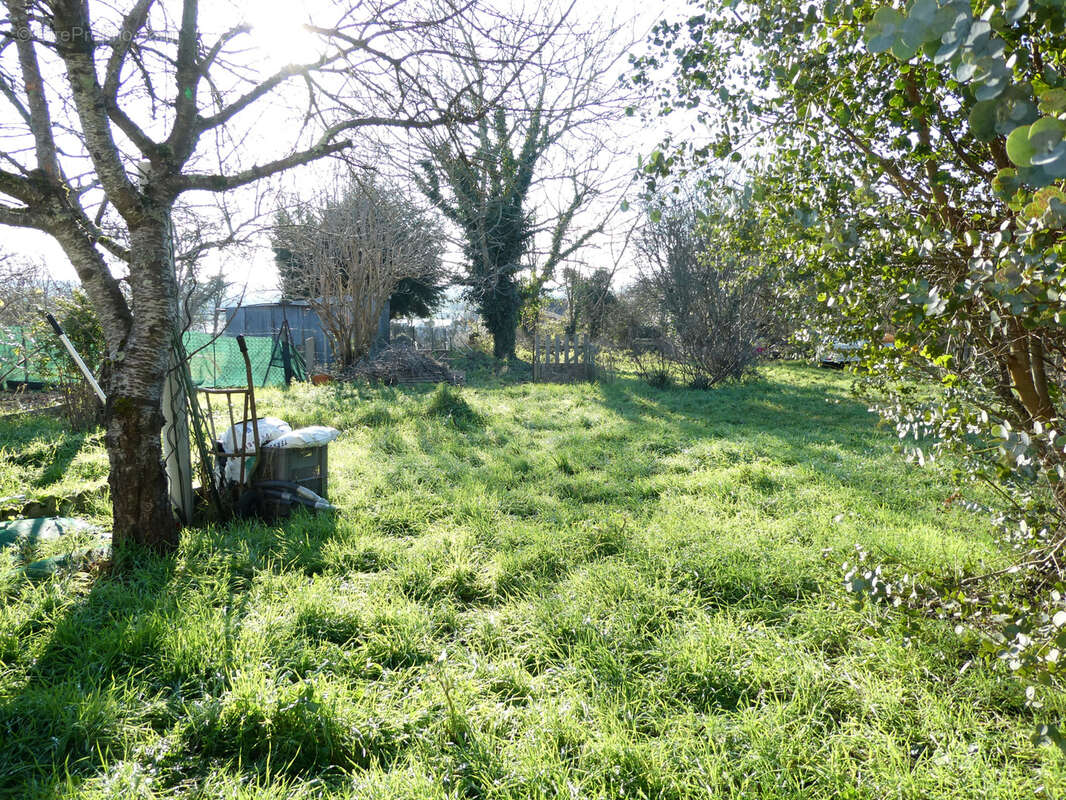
(449, 404)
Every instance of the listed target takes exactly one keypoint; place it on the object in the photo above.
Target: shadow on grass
(115, 670)
(789, 422)
(116, 667)
(43, 447)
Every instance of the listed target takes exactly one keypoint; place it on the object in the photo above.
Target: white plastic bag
(242, 437)
(306, 437)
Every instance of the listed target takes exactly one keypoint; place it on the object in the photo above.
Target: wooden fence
(563, 358)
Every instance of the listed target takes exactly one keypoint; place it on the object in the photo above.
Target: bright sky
(276, 34)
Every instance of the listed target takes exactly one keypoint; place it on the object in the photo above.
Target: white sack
(306, 437)
(236, 439)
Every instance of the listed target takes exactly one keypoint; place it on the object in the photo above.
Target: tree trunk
(1023, 375)
(133, 375)
(140, 505)
(503, 342)
(500, 310)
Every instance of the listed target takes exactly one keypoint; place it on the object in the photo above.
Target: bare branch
(33, 85)
(74, 43)
(222, 183)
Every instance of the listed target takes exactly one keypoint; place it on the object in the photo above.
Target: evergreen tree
(290, 261)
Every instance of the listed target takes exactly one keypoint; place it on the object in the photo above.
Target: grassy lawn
(584, 592)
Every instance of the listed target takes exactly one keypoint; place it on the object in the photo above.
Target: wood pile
(399, 365)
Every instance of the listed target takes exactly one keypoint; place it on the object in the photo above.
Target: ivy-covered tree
(522, 186)
(913, 155)
(486, 198)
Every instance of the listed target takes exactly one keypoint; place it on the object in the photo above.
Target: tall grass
(532, 591)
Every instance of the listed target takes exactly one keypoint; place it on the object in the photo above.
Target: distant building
(266, 319)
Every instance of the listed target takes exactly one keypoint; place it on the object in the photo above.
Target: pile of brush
(401, 364)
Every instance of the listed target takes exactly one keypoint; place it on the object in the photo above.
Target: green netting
(17, 361)
(218, 362)
(212, 362)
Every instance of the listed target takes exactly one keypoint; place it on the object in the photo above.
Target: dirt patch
(23, 402)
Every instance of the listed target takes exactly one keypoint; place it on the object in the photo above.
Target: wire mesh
(213, 361)
(17, 357)
(216, 362)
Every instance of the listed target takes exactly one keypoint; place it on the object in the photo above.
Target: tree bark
(140, 505)
(503, 342)
(1020, 367)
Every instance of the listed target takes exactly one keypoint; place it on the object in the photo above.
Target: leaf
(954, 36)
(883, 30)
(1049, 734)
(924, 11)
(904, 50)
(1037, 176)
(977, 34)
(965, 70)
(1049, 159)
(1041, 202)
(1053, 101)
(1045, 133)
(1006, 184)
(1014, 10)
(992, 87)
(1054, 170)
(983, 120)
(1018, 148)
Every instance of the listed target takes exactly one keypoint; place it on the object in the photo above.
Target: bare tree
(348, 255)
(710, 299)
(523, 185)
(25, 286)
(114, 114)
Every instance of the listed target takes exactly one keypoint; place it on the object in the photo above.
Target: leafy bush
(906, 165)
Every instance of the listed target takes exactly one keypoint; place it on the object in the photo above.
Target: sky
(251, 268)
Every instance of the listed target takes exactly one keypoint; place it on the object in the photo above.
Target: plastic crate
(307, 466)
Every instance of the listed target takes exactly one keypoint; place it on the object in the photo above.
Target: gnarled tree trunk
(141, 507)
